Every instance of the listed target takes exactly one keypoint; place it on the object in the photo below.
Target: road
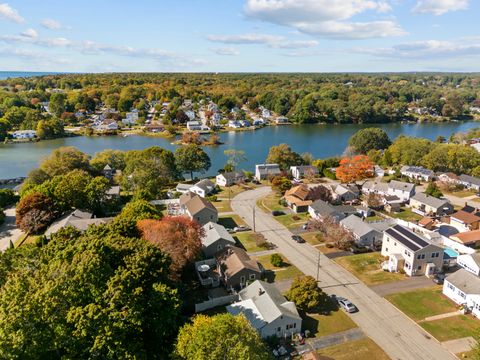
(393, 331)
(8, 230)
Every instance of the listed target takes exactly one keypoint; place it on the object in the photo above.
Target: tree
(284, 156)
(220, 337)
(181, 117)
(57, 104)
(64, 160)
(374, 200)
(34, 213)
(320, 192)
(114, 158)
(69, 191)
(354, 169)
(433, 190)
(5, 126)
(110, 299)
(276, 260)
(333, 232)
(7, 197)
(407, 150)
(179, 237)
(234, 158)
(281, 184)
(369, 139)
(192, 158)
(125, 223)
(306, 294)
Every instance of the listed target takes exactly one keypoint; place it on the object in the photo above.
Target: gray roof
(416, 169)
(206, 185)
(215, 232)
(375, 186)
(114, 190)
(78, 219)
(267, 167)
(262, 303)
(469, 179)
(430, 200)
(465, 281)
(400, 185)
(357, 225)
(302, 168)
(324, 209)
(233, 175)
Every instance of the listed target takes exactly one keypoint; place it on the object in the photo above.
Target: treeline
(304, 98)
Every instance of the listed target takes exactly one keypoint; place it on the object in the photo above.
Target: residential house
(78, 219)
(379, 172)
(264, 171)
(183, 188)
(203, 188)
(234, 124)
(299, 172)
(346, 193)
(24, 134)
(417, 173)
(236, 268)
(298, 198)
(266, 113)
(190, 114)
(470, 262)
(366, 234)
(258, 122)
(281, 120)
(198, 208)
(108, 172)
(470, 182)
(468, 238)
(230, 178)
(425, 204)
(400, 189)
(245, 123)
(392, 203)
(216, 239)
(427, 223)
(464, 221)
(320, 210)
(267, 310)
(107, 125)
(464, 289)
(410, 252)
(131, 118)
(194, 126)
(448, 177)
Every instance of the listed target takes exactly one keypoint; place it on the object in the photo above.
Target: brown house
(198, 208)
(298, 198)
(465, 221)
(236, 268)
(469, 238)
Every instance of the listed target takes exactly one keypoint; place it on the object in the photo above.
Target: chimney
(260, 291)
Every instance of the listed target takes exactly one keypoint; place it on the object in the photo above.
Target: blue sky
(240, 35)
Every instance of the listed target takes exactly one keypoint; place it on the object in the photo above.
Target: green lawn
(222, 205)
(231, 221)
(405, 214)
(285, 272)
(230, 192)
(463, 193)
(363, 349)
(455, 327)
(313, 238)
(292, 220)
(367, 268)
(270, 203)
(248, 241)
(374, 218)
(422, 303)
(321, 325)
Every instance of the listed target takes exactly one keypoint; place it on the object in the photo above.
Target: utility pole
(253, 218)
(318, 266)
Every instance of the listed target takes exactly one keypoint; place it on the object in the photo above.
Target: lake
(321, 140)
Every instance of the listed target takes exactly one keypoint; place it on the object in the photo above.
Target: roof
(400, 185)
(425, 221)
(183, 187)
(450, 175)
(465, 217)
(301, 192)
(416, 170)
(262, 304)
(343, 189)
(430, 200)
(235, 259)
(114, 190)
(467, 237)
(267, 167)
(215, 232)
(233, 175)
(469, 179)
(407, 237)
(107, 167)
(78, 219)
(186, 197)
(469, 209)
(302, 168)
(357, 225)
(376, 186)
(205, 184)
(465, 281)
(197, 204)
(323, 208)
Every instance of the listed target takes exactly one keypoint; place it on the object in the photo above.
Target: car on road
(298, 239)
(439, 278)
(278, 213)
(346, 305)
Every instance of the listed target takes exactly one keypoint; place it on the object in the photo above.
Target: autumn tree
(191, 137)
(34, 213)
(192, 158)
(320, 192)
(284, 156)
(306, 294)
(354, 169)
(374, 200)
(179, 237)
(220, 337)
(333, 232)
(281, 184)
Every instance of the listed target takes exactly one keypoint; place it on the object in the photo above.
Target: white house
(298, 172)
(366, 234)
(130, 117)
(203, 188)
(400, 189)
(267, 310)
(464, 289)
(194, 126)
(263, 171)
(229, 178)
(417, 173)
(470, 262)
(429, 205)
(470, 182)
(216, 238)
(24, 134)
(234, 124)
(411, 252)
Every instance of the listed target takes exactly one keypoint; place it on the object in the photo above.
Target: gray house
(236, 268)
(216, 238)
(197, 208)
(78, 219)
(321, 209)
(470, 182)
(263, 171)
(267, 310)
(366, 234)
(430, 205)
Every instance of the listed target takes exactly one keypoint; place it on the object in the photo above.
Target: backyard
(321, 325)
(405, 214)
(250, 241)
(284, 272)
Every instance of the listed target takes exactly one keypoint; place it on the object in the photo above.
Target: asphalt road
(393, 331)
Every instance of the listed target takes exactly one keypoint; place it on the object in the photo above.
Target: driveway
(410, 284)
(392, 330)
(8, 230)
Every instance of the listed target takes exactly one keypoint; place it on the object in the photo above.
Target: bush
(2, 216)
(212, 198)
(276, 260)
(7, 197)
(329, 174)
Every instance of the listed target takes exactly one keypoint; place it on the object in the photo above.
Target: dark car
(359, 249)
(277, 213)
(439, 279)
(298, 239)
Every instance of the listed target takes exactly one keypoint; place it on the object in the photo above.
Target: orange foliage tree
(178, 236)
(354, 168)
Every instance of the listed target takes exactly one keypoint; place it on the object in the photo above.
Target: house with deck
(425, 204)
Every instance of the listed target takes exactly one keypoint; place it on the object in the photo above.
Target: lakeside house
(400, 189)
(463, 288)
(267, 310)
(227, 179)
(24, 134)
(425, 204)
(417, 173)
(264, 171)
(299, 172)
(194, 126)
(203, 188)
(410, 252)
(216, 239)
(197, 208)
(78, 219)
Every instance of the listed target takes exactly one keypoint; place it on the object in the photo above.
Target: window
(451, 287)
(252, 276)
(386, 249)
(419, 267)
(407, 253)
(421, 256)
(279, 329)
(395, 244)
(435, 255)
(242, 279)
(219, 247)
(462, 294)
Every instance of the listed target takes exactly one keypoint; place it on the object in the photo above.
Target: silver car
(347, 305)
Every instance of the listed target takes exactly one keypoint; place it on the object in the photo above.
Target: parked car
(277, 212)
(347, 305)
(439, 278)
(298, 239)
(255, 181)
(241, 228)
(355, 249)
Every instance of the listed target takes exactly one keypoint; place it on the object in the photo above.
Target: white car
(346, 305)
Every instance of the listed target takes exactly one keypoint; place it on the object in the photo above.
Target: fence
(211, 303)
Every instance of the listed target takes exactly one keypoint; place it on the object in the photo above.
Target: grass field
(231, 221)
(455, 327)
(270, 203)
(462, 193)
(292, 220)
(248, 241)
(367, 268)
(364, 349)
(313, 238)
(405, 214)
(284, 272)
(422, 303)
(321, 325)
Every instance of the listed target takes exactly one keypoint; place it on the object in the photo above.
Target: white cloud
(226, 51)
(272, 41)
(326, 18)
(51, 24)
(45, 42)
(439, 7)
(29, 33)
(9, 13)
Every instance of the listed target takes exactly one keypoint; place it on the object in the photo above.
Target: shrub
(7, 197)
(2, 216)
(276, 260)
